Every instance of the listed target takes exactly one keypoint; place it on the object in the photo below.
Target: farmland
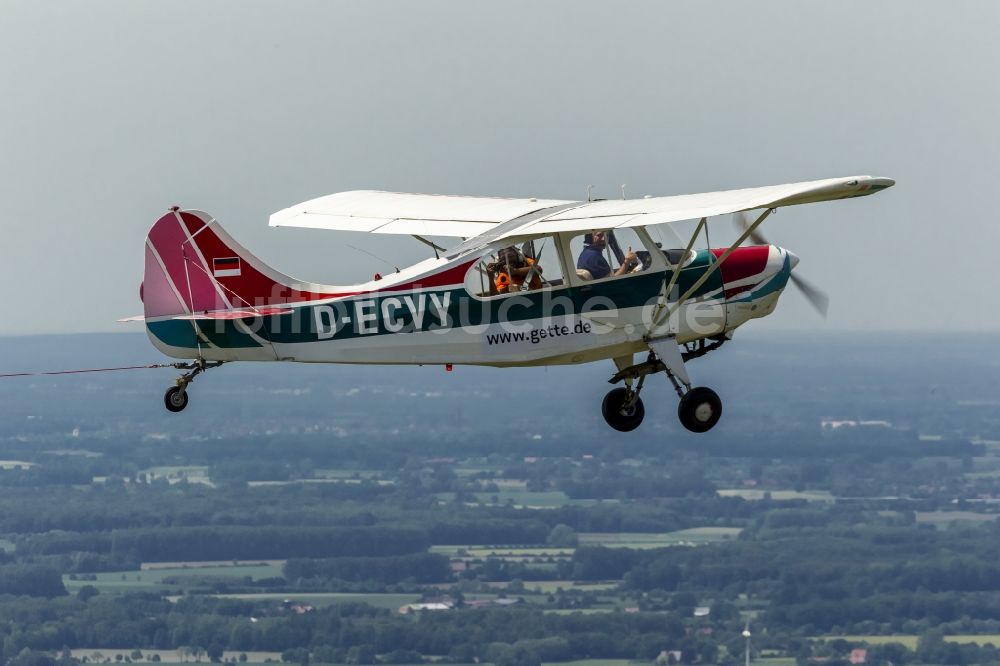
(288, 539)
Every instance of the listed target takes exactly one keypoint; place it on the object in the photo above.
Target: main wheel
(175, 399)
(700, 409)
(617, 416)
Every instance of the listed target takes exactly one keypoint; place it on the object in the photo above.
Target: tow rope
(77, 372)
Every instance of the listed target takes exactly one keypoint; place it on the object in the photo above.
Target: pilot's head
(510, 256)
(598, 239)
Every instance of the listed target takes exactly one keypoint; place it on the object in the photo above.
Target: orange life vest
(503, 280)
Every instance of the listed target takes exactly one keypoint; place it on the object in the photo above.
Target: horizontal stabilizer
(234, 314)
(217, 315)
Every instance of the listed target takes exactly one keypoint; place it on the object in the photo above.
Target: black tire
(621, 421)
(700, 409)
(175, 399)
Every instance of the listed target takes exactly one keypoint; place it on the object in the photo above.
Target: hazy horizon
(118, 110)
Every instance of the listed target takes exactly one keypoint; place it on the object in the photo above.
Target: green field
(506, 484)
(979, 639)
(582, 611)
(525, 499)
(345, 481)
(911, 641)
(254, 571)
(689, 537)
(152, 579)
(757, 494)
(218, 564)
(594, 662)
(908, 641)
(345, 473)
(521, 499)
(638, 540)
(388, 601)
(502, 552)
(467, 469)
(945, 518)
(548, 586)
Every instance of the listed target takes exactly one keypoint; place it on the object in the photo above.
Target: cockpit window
(605, 253)
(530, 266)
(670, 243)
(675, 256)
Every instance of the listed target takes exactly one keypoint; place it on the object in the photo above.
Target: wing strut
(667, 311)
(434, 246)
(665, 300)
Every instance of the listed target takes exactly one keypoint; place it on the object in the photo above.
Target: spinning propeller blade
(817, 298)
(742, 224)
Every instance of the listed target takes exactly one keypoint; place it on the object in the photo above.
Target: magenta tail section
(193, 266)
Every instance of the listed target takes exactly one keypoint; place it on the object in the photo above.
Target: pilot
(511, 269)
(592, 258)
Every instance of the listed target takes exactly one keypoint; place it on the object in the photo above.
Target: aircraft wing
(467, 217)
(612, 214)
(409, 214)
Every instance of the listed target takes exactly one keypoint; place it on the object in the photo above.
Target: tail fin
(194, 267)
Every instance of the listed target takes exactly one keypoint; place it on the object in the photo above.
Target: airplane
(530, 282)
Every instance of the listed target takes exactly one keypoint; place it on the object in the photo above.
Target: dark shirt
(592, 259)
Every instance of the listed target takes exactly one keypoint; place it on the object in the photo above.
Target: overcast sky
(111, 111)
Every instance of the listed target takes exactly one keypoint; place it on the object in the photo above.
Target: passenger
(511, 269)
(592, 258)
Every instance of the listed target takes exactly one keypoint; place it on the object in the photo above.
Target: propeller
(816, 296)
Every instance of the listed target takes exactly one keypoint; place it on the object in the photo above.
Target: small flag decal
(226, 267)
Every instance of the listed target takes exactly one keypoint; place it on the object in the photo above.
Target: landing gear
(700, 408)
(176, 397)
(622, 409)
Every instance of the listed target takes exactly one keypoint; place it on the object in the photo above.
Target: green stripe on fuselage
(424, 311)
(219, 333)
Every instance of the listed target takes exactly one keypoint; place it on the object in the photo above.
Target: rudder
(193, 266)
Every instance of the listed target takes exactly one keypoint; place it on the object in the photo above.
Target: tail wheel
(618, 416)
(700, 409)
(176, 399)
